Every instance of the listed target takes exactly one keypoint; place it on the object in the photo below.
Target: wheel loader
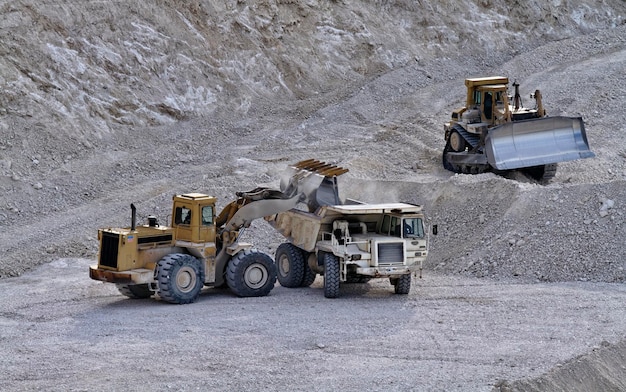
(200, 247)
(495, 132)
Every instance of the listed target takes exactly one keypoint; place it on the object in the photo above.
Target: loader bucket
(314, 179)
(537, 142)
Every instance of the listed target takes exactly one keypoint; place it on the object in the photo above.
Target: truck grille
(391, 253)
(108, 249)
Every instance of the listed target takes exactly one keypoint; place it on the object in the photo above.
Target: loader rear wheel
(401, 285)
(331, 276)
(180, 278)
(135, 291)
(251, 273)
(290, 262)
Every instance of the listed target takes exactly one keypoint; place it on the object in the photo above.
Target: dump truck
(350, 242)
(495, 132)
(200, 247)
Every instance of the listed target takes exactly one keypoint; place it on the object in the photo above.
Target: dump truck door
(536, 142)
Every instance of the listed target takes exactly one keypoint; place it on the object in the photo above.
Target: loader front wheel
(180, 277)
(135, 291)
(331, 276)
(251, 273)
(290, 262)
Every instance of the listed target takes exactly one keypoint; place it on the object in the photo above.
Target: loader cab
(193, 217)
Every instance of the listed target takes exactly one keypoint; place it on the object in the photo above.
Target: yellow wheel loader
(200, 247)
(494, 132)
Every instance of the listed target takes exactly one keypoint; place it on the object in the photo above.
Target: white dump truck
(350, 243)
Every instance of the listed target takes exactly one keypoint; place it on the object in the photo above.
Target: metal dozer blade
(316, 180)
(537, 142)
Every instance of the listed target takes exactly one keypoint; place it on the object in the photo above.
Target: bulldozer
(495, 132)
(202, 248)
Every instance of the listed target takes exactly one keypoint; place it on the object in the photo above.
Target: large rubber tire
(331, 276)
(135, 291)
(290, 265)
(309, 275)
(251, 273)
(402, 285)
(180, 278)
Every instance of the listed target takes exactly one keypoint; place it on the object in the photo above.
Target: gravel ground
(108, 104)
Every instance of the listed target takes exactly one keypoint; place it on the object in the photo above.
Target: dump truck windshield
(413, 228)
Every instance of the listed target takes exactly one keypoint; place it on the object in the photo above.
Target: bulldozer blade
(537, 142)
(315, 180)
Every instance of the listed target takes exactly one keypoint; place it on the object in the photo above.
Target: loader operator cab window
(183, 216)
(207, 215)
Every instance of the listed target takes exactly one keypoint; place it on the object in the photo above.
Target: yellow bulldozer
(495, 132)
(200, 247)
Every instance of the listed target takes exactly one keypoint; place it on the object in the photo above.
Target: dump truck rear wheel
(331, 276)
(402, 285)
(251, 273)
(135, 291)
(309, 275)
(291, 265)
(180, 277)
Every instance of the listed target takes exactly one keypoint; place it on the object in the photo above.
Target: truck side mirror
(434, 229)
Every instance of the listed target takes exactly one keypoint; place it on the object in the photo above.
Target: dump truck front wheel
(331, 276)
(290, 262)
(180, 278)
(401, 285)
(251, 273)
(135, 291)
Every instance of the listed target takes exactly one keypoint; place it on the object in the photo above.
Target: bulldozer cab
(193, 217)
(493, 103)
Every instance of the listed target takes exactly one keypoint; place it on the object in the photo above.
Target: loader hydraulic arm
(307, 184)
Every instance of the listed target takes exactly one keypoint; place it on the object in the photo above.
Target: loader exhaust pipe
(133, 217)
